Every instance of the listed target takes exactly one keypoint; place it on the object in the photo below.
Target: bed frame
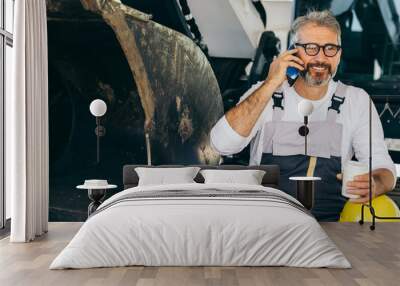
(270, 179)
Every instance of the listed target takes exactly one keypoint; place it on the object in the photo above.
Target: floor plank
(375, 257)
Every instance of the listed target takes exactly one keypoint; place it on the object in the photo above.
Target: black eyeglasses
(312, 49)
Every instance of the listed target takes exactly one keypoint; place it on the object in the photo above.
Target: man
(267, 117)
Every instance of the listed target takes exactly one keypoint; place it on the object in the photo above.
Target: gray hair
(323, 18)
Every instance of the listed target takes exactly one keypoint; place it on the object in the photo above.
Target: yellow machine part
(383, 206)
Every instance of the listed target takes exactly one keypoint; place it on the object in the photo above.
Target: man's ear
(340, 55)
(338, 68)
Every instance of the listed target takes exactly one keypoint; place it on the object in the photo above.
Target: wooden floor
(375, 257)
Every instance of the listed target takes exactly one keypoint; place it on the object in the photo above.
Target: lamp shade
(98, 107)
(305, 107)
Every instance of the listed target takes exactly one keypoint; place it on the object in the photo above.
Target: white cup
(349, 171)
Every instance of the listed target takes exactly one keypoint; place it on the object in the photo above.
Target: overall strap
(336, 102)
(277, 107)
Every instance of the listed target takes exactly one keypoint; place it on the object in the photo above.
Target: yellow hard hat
(383, 206)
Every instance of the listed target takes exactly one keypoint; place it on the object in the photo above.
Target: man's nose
(320, 55)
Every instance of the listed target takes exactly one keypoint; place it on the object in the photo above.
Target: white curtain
(27, 157)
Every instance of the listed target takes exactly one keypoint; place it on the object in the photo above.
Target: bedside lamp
(306, 184)
(98, 108)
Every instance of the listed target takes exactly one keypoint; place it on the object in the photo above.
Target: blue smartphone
(291, 72)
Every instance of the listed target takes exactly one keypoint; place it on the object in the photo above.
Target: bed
(198, 224)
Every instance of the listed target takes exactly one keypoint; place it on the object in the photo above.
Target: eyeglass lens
(313, 49)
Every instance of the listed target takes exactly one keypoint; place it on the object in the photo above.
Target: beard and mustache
(317, 78)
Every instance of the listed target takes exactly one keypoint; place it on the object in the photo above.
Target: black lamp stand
(303, 131)
(100, 132)
(369, 205)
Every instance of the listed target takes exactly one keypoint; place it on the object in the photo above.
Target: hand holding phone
(286, 66)
(292, 73)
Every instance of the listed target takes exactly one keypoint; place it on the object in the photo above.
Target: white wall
(8, 85)
(230, 28)
(280, 14)
(9, 26)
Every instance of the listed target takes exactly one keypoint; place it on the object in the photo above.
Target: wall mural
(154, 81)
(157, 79)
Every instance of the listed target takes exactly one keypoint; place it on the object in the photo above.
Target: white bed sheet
(200, 231)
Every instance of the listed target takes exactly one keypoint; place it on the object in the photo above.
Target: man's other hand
(360, 186)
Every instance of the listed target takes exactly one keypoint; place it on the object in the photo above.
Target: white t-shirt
(354, 116)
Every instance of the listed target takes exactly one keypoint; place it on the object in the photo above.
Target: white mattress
(200, 231)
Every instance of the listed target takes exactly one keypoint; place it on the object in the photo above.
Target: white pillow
(163, 176)
(249, 177)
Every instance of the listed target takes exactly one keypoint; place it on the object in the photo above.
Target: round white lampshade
(305, 107)
(98, 107)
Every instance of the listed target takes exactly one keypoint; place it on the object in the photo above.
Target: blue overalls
(284, 146)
